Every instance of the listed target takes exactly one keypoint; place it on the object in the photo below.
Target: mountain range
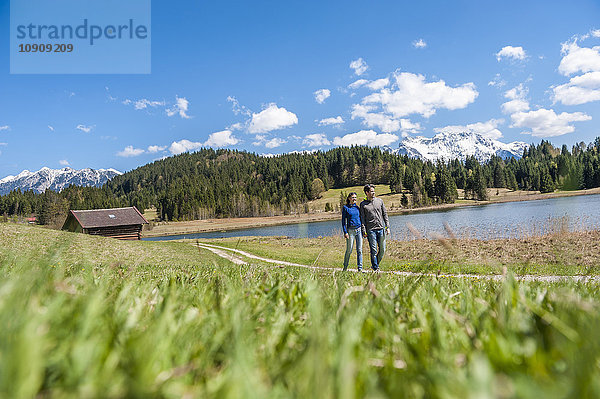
(56, 179)
(451, 145)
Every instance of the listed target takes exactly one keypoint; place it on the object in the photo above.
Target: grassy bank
(561, 253)
(91, 317)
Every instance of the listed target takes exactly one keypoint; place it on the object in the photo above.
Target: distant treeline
(229, 183)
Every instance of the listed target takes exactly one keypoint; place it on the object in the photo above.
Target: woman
(351, 226)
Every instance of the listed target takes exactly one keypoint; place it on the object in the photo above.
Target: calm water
(507, 220)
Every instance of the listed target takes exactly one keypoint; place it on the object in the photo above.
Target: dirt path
(223, 254)
(228, 253)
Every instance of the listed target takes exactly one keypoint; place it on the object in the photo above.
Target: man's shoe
(375, 269)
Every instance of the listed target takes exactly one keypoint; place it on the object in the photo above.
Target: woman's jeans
(376, 239)
(353, 234)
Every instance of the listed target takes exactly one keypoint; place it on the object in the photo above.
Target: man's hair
(368, 187)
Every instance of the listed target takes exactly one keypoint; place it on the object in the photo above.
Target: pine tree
(479, 185)
(445, 187)
(546, 183)
(404, 201)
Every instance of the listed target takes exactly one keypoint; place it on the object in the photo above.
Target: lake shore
(226, 224)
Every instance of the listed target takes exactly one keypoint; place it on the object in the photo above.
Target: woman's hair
(348, 198)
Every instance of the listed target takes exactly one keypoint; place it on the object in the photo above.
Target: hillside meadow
(93, 317)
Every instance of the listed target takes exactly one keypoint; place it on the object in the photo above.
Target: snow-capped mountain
(56, 179)
(450, 145)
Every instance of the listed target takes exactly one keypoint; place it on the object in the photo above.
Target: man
(375, 224)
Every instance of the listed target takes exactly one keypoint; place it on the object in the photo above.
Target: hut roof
(109, 217)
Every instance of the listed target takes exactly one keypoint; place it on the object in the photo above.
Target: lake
(502, 220)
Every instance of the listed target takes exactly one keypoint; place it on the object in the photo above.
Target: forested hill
(232, 183)
(221, 183)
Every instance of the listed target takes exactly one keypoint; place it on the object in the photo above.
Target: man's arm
(361, 212)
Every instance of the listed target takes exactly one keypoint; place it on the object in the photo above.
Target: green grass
(560, 254)
(165, 320)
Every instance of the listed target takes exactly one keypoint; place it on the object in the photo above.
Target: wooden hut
(121, 223)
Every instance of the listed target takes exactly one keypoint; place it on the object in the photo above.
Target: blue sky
(274, 77)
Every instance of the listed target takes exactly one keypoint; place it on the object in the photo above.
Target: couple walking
(368, 220)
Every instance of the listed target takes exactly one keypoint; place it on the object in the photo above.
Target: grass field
(92, 317)
(558, 254)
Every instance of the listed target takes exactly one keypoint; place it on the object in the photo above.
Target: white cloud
(359, 66)
(378, 84)
(236, 126)
(51, 128)
(153, 149)
(591, 33)
(579, 59)
(487, 129)
(85, 129)
(144, 103)
(546, 123)
(64, 162)
(406, 126)
(5, 127)
(584, 88)
(315, 140)
(516, 93)
(512, 53)
(411, 94)
(110, 98)
(221, 139)
(580, 90)
(272, 118)
(358, 83)
(180, 107)
(272, 143)
(419, 43)
(275, 142)
(365, 137)
(512, 106)
(179, 147)
(385, 123)
(260, 139)
(497, 81)
(237, 108)
(321, 95)
(373, 85)
(518, 100)
(331, 121)
(129, 151)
